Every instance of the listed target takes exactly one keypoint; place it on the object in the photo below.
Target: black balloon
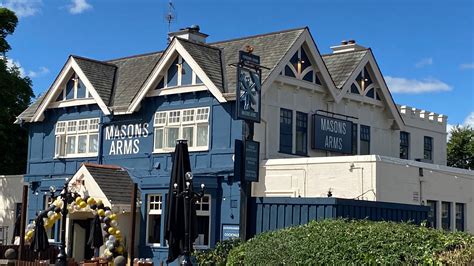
(107, 220)
(107, 208)
(106, 235)
(94, 206)
(57, 210)
(100, 206)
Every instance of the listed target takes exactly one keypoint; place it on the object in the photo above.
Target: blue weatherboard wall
(275, 213)
(151, 171)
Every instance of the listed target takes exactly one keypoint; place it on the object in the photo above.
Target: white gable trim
(70, 67)
(369, 59)
(154, 78)
(90, 185)
(314, 54)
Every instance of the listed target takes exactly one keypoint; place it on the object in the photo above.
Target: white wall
(374, 177)
(10, 194)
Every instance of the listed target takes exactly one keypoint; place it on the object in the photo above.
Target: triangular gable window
(73, 89)
(364, 85)
(179, 73)
(300, 67)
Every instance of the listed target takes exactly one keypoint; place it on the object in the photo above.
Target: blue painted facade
(151, 171)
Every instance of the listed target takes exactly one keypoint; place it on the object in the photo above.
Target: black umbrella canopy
(40, 238)
(96, 239)
(176, 208)
(16, 228)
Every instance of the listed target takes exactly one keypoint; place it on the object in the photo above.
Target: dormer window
(179, 73)
(364, 85)
(301, 68)
(73, 89)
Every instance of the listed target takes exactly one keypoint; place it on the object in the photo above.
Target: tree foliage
(15, 96)
(461, 147)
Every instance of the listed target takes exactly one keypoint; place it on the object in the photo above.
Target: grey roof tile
(130, 76)
(113, 180)
(341, 65)
(100, 74)
(270, 47)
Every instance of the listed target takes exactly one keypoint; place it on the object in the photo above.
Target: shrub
(354, 242)
(218, 255)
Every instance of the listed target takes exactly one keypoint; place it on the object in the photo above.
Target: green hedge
(354, 242)
(218, 255)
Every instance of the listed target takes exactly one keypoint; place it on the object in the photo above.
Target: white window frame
(200, 212)
(178, 82)
(162, 121)
(71, 128)
(154, 212)
(63, 91)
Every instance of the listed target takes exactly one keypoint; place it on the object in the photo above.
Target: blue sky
(424, 48)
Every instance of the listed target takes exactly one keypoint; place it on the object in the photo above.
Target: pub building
(328, 123)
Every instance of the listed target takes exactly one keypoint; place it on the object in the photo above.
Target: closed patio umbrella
(39, 241)
(180, 214)
(96, 239)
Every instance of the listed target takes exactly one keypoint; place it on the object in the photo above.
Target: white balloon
(30, 227)
(50, 213)
(114, 223)
(110, 246)
(112, 238)
(108, 213)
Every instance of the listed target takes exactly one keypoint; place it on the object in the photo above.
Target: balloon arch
(108, 219)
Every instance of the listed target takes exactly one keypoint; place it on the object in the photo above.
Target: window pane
(432, 214)
(308, 76)
(93, 143)
(354, 89)
(158, 138)
(188, 134)
(459, 216)
(354, 139)
(154, 228)
(289, 72)
(202, 231)
(186, 74)
(286, 131)
(82, 144)
(173, 135)
(446, 215)
(202, 135)
(301, 132)
(81, 90)
(71, 145)
(364, 147)
(70, 89)
(173, 74)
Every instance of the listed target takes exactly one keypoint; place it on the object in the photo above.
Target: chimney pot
(343, 42)
(351, 41)
(191, 33)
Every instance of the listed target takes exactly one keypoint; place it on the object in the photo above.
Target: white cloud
(468, 121)
(79, 6)
(40, 72)
(22, 8)
(467, 66)
(12, 63)
(424, 62)
(416, 86)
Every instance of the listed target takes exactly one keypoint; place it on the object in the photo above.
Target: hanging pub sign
(246, 164)
(331, 134)
(248, 91)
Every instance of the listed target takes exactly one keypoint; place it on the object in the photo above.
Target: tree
(15, 96)
(461, 147)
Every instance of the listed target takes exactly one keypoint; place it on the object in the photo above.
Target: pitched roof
(109, 178)
(130, 76)
(118, 81)
(271, 48)
(209, 59)
(100, 74)
(31, 110)
(341, 65)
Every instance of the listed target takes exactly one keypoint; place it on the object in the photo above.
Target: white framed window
(190, 124)
(154, 211)
(203, 213)
(73, 89)
(77, 138)
(179, 73)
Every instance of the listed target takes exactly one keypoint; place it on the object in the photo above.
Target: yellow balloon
(83, 204)
(113, 216)
(98, 202)
(111, 231)
(78, 200)
(57, 216)
(29, 234)
(101, 212)
(90, 201)
(117, 232)
(119, 249)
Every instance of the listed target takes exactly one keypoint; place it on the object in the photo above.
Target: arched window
(300, 67)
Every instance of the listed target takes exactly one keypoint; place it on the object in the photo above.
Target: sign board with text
(331, 134)
(248, 91)
(246, 164)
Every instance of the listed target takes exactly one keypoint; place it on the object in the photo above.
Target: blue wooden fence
(272, 213)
